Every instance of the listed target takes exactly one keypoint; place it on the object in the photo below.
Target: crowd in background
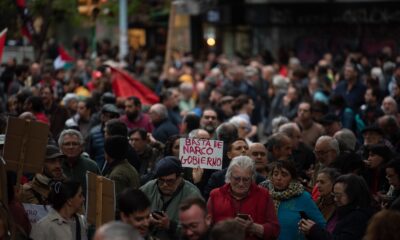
(310, 152)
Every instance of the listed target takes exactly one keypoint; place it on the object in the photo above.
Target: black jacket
(351, 225)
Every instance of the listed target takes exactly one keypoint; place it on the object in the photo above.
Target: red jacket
(258, 204)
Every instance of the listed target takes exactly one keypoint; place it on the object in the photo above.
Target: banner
(2, 42)
(36, 212)
(124, 85)
(201, 153)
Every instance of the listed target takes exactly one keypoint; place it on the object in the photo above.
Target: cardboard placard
(3, 184)
(201, 153)
(100, 199)
(25, 145)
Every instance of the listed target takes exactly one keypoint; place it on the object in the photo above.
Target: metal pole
(123, 29)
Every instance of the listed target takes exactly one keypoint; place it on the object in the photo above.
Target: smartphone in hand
(303, 215)
(157, 214)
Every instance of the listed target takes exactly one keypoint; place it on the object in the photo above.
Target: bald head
(258, 152)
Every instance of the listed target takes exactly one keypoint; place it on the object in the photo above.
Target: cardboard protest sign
(25, 145)
(3, 184)
(201, 153)
(100, 199)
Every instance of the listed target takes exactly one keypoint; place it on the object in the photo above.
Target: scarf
(295, 189)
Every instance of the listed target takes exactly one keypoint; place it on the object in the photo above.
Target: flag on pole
(124, 85)
(64, 60)
(27, 24)
(2, 42)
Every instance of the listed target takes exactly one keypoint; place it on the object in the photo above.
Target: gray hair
(243, 162)
(195, 133)
(333, 143)
(72, 132)
(346, 139)
(118, 231)
(160, 110)
(277, 122)
(288, 128)
(237, 120)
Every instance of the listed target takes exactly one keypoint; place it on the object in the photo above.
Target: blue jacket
(289, 216)
(95, 145)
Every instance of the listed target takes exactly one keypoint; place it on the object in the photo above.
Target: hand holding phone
(303, 215)
(157, 214)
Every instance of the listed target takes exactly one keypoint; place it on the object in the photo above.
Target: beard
(132, 116)
(209, 128)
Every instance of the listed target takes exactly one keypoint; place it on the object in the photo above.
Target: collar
(54, 216)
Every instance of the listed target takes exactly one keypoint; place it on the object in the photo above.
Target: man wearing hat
(95, 141)
(166, 192)
(37, 190)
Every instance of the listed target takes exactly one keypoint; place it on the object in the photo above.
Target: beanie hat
(116, 147)
(167, 166)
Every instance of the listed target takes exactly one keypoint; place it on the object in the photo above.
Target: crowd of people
(309, 152)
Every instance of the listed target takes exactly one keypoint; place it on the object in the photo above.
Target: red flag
(2, 42)
(27, 29)
(64, 55)
(125, 86)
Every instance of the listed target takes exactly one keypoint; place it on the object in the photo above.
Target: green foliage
(55, 10)
(8, 18)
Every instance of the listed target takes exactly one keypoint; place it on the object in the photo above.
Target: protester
(227, 230)
(393, 176)
(37, 190)
(147, 153)
(166, 192)
(325, 181)
(290, 199)
(95, 142)
(134, 209)
(134, 116)
(62, 221)
(118, 168)
(240, 198)
(163, 127)
(352, 215)
(383, 225)
(194, 219)
(76, 163)
(117, 230)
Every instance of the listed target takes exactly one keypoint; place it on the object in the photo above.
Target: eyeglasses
(322, 153)
(168, 182)
(71, 144)
(245, 180)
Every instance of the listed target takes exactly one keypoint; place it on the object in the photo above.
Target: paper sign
(100, 199)
(25, 145)
(36, 212)
(201, 153)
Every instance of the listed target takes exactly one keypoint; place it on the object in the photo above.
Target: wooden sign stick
(99, 201)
